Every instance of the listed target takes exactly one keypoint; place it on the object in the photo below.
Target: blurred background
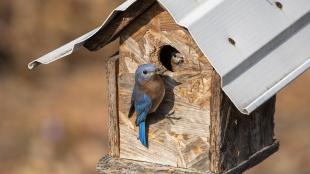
(53, 119)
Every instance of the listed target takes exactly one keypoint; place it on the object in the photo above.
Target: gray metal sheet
(271, 44)
(72, 46)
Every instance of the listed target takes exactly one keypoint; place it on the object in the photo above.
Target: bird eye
(144, 72)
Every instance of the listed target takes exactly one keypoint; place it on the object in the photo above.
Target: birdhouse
(221, 73)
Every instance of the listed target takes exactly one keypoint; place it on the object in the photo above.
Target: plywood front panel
(178, 132)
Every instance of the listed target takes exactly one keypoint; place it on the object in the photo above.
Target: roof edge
(210, 19)
(72, 46)
(118, 23)
(276, 88)
(62, 51)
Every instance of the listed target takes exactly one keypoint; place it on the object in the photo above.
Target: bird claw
(170, 114)
(174, 118)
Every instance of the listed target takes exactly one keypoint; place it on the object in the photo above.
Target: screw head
(232, 41)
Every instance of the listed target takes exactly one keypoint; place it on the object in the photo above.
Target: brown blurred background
(53, 119)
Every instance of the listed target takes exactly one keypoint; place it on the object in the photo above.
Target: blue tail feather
(142, 133)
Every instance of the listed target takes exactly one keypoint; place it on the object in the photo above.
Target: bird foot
(169, 115)
(170, 118)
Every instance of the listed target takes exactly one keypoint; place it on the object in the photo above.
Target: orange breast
(156, 90)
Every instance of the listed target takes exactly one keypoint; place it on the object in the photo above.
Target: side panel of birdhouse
(178, 132)
(239, 142)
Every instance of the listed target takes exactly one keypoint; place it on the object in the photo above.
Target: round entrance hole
(166, 54)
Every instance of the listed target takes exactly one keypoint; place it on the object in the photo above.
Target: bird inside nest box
(196, 126)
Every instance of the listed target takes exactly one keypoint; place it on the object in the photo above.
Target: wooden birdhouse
(215, 116)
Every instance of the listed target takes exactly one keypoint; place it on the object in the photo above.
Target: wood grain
(113, 134)
(255, 158)
(109, 165)
(183, 140)
(237, 139)
(196, 126)
(215, 132)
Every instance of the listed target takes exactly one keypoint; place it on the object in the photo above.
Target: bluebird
(148, 93)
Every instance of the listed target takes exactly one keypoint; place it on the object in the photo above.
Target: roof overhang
(256, 46)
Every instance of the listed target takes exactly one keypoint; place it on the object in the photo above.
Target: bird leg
(172, 113)
(168, 116)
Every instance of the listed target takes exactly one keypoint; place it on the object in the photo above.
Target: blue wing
(143, 105)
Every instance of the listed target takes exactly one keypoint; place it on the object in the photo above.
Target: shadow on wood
(165, 109)
(208, 133)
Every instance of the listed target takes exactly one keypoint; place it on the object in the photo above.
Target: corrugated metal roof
(257, 46)
(72, 46)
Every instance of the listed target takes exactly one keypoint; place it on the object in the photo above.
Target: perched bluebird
(148, 93)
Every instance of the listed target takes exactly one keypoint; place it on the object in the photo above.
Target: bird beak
(159, 71)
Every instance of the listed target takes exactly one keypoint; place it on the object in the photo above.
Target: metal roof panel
(72, 46)
(270, 43)
(256, 46)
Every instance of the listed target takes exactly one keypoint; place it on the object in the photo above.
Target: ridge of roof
(256, 47)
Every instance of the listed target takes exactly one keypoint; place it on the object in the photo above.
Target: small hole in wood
(166, 54)
(279, 5)
(232, 41)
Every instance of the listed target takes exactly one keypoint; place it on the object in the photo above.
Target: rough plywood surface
(183, 139)
(110, 165)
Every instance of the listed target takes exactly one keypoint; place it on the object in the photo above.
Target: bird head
(146, 72)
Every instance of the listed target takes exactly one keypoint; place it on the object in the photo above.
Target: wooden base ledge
(107, 164)
(255, 159)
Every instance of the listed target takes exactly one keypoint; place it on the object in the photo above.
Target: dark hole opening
(279, 5)
(166, 53)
